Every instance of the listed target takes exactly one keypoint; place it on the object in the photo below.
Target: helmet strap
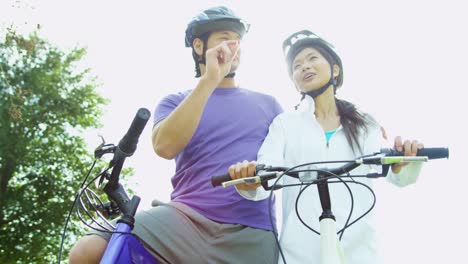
(230, 75)
(321, 90)
(302, 98)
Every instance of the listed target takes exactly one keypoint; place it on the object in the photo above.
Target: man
(205, 130)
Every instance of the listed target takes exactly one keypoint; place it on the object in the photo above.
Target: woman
(323, 128)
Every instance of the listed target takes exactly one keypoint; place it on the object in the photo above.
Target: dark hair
(353, 121)
(200, 59)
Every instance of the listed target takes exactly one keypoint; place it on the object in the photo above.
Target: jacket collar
(307, 104)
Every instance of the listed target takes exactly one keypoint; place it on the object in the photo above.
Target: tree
(46, 101)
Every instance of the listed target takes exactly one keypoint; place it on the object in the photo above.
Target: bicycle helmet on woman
(296, 42)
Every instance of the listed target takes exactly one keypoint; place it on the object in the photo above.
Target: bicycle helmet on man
(210, 20)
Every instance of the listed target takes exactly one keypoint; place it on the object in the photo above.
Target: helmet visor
(237, 26)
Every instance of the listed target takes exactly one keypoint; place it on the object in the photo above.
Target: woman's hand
(243, 170)
(410, 148)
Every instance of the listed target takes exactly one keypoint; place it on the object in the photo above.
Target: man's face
(217, 37)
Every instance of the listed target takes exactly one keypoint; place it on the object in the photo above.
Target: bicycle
(330, 248)
(124, 246)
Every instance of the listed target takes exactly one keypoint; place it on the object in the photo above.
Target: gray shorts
(178, 234)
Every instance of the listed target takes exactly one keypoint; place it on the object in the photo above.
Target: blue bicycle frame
(125, 248)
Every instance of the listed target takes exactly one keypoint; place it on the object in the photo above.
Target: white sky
(404, 62)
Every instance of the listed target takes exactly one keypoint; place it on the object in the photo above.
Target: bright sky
(403, 63)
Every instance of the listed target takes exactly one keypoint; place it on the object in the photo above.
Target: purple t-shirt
(232, 128)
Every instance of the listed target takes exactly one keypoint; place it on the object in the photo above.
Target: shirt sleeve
(272, 150)
(407, 175)
(271, 153)
(277, 108)
(167, 105)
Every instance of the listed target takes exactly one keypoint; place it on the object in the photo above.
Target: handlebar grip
(127, 145)
(431, 153)
(219, 179)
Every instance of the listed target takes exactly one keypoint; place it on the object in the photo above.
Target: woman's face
(310, 70)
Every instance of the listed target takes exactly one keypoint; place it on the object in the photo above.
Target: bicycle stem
(116, 192)
(324, 195)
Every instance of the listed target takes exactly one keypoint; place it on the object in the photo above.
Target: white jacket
(295, 138)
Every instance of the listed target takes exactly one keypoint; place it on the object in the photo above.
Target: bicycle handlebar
(378, 158)
(219, 179)
(127, 145)
(431, 153)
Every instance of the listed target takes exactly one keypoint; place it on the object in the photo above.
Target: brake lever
(269, 168)
(103, 148)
